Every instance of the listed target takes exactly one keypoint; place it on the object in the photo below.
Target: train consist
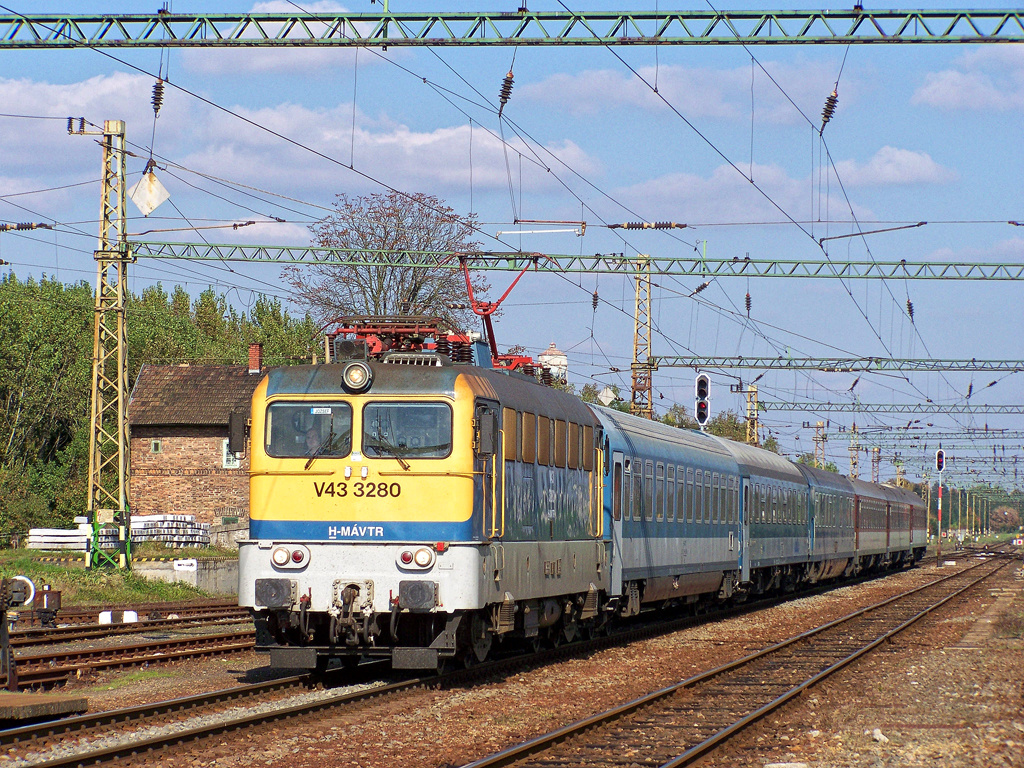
(419, 510)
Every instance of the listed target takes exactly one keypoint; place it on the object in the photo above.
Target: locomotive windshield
(308, 429)
(416, 430)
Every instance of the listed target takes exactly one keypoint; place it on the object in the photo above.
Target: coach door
(487, 468)
(743, 531)
(620, 501)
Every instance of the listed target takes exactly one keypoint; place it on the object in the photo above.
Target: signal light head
(940, 460)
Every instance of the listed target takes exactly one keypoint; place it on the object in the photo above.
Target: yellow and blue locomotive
(411, 508)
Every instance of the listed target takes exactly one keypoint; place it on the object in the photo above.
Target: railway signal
(940, 460)
(702, 405)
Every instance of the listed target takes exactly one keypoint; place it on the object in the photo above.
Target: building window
(155, 446)
(228, 459)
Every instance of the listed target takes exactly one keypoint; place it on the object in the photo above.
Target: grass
(94, 587)
(1011, 625)
(130, 678)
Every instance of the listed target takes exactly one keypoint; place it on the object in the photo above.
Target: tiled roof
(196, 395)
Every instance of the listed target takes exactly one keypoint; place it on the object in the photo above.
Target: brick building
(178, 417)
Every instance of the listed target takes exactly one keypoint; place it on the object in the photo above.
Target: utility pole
(819, 444)
(854, 453)
(108, 438)
(640, 404)
(753, 438)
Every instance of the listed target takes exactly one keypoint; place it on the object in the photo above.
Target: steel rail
(459, 677)
(543, 743)
(48, 636)
(534, 28)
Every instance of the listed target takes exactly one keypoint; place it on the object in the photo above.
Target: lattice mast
(109, 458)
(640, 405)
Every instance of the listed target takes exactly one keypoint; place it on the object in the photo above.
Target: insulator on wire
(829, 110)
(71, 124)
(506, 91)
(970, 390)
(748, 302)
(158, 96)
(648, 225)
(699, 288)
(910, 310)
(594, 300)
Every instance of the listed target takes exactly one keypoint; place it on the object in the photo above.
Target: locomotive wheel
(480, 641)
(570, 629)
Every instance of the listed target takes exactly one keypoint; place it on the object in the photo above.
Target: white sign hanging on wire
(148, 194)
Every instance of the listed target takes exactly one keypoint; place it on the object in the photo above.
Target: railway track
(112, 747)
(36, 636)
(57, 666)
(682, 723)
(75, 615)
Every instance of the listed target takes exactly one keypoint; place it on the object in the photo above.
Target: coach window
(670, 494)
(715, 498)
(617, 491)
(659, 493)
(690, 498)
(707, 496)
(698, 497)
(543, 440)
(681, 495)
(509, 434)
(638, 488)
(648, 490)
(574, 446)
(762, 492)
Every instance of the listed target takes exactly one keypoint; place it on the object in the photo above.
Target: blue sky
(921, 133)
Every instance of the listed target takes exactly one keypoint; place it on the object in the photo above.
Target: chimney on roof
(255, 358)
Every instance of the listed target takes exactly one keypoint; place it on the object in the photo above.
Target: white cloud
(695, 91)
(893, 166)
(379, 148)
(982, 80)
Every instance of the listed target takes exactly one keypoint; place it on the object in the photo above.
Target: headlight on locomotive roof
(356, 377)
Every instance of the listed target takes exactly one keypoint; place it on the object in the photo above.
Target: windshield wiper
(383, 443)
(323, 446)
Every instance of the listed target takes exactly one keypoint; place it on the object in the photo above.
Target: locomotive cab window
(407, 430)
(296, 429)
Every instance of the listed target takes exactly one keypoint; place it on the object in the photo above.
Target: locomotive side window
(543, 440)
(588, 449)
(416, 430)
(574, 446)
(296, 429)
(529, 438)
(510, 443)
(560, 438)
